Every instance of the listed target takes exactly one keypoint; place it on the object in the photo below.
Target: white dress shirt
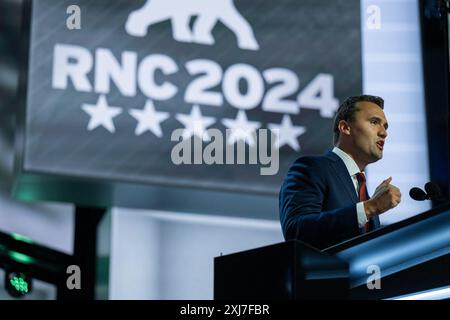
(353, 169)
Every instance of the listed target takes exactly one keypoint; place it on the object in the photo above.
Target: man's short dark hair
(348, 109)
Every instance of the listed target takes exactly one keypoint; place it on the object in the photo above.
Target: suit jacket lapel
(341, 172)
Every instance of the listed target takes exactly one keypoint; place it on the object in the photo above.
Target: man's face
(368, 132)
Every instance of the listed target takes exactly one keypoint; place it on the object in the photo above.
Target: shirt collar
(351, 165)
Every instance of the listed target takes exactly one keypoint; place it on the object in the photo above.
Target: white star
(149, 119)
(101, 114)
(288, 133)
(195, 124)
(241, 128)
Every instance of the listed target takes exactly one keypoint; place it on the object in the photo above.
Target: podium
(287, 270)
(411, 256)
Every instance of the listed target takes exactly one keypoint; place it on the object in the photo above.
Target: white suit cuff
(362, 218)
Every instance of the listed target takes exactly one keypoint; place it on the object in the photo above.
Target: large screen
(216, 94)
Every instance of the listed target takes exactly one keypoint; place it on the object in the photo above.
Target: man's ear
(344, 127)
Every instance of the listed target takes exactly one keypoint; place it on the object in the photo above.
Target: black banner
(110, 81)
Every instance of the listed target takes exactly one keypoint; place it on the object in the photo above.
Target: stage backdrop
(105, 83)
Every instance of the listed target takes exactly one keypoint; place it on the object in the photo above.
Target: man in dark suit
(323, 199)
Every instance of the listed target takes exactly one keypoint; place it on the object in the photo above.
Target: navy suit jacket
(318, 202)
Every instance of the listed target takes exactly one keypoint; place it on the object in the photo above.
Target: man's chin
(375, 157)
(378, 156)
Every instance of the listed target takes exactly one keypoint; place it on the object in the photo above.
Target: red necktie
(362, 192)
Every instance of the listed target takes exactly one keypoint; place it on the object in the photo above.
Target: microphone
(418, 194)
(433, 192)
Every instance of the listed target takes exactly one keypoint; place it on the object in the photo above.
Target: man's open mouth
(380, 145)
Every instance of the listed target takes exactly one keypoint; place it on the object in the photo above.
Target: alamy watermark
(73, 21)
(259, 147)
(74, 279)
(373, 21)
(374, 280)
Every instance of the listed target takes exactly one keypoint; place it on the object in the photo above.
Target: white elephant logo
(208, 13)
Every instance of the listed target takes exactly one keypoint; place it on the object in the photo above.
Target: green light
(20, 257)
(27, 195)
(19, 284)
(20, 237)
